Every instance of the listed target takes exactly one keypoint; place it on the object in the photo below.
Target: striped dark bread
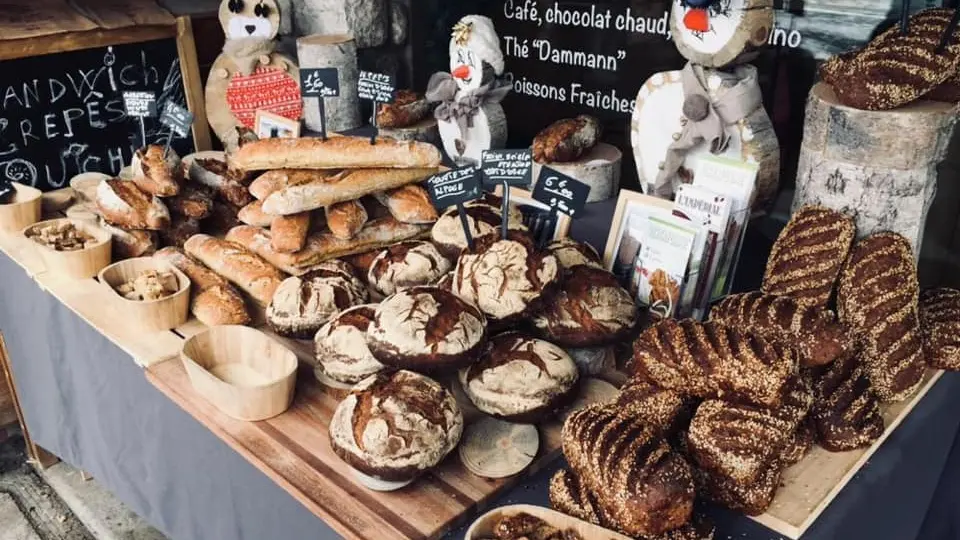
(654, 405)
(878, 299)
(940, 322)
(643, 486)
(806, 258)
(712, 360)
(814, 332)
(801, 443)
(845, 412)
(751, 499)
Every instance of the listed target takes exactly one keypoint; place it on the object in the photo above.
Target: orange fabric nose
(697, 20)
(462, 72)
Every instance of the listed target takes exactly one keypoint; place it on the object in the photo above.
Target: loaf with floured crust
(712, 360)
(333, 153)
(288, 234)
(406, 264)
(237, 264)
(341, 349)
(878, 299)
(321, 191)
(482, 220)
(129, 244)
(122, 203)
(271, 181)
(409, 204)
(940, 323)
(570, 253)
(253, 214)
(815, 332)
(345, 219)
(805, 260)
(155, 173)
(303, 304)
(215, 301)
(845, 412)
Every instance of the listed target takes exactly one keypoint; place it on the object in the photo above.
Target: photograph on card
(626, 231)
(269, 125)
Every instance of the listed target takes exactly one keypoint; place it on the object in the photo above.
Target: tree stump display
(425, 130)
(365, 20)
(878, 166)
(332, 51)
(599, 168)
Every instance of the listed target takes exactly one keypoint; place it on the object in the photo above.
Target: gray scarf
(442, 88)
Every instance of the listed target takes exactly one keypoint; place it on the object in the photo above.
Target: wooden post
(878, 166)
(192, 84)
(332, 51)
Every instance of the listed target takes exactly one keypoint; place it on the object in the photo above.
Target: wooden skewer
(951, 27)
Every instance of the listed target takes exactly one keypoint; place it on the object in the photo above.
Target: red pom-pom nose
(697, 20)
(462, 72)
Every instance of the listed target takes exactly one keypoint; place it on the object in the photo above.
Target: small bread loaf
(800, 444)
(816, 334)
(215, 301)
(878, 299)
(334, 153)
(408, 108)
(129, 244)
(192, 202)
(180, 230)
(253, 214)
(123, 204)
(409, 204)
(482, 219)
(155, 173)
(275, 180)
(751, 499)
(301, 305)
(570, 253)
(845, 412)
(805, 260)
(566, 140)
(407, 264)
(228, 184)
(345, 219)
(940, 322)
(324, 190)
(288, 234)
(236, 263)
(712, 360)
(654, 405)
(341, 346)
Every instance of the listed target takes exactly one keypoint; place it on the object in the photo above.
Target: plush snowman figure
(470, 117)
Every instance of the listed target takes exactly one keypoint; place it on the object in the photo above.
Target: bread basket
(149, 315)
(79, 264)
(242, 371)
(482, 528)
(22, 210)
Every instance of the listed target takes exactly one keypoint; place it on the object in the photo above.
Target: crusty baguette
(239, 265)
(274, 180)
(333, 153)
(345, 186)
(344, 219)
(215, 301)
(253, 214)
(289, 233)
(324, 246)
(123, 204)
(201, 277)
(409, 204)
(155, 173)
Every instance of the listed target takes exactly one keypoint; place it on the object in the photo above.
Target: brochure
(710, 211)
(661, 265)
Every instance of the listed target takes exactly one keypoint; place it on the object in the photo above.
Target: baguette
(155, 173)
(345, 219)
(333, 153)
(253, 214)
(123, 204)
(215, 301)
(215, 174)
(324, 191)
(324, 246)
(289, 233)
(409, 204)
(237, 264)
(272, 181)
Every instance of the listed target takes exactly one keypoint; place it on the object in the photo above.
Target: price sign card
(140, 104)
(510, 166)
(378, 87)
(560, 192)
(319, 82)
(454, 187)
(177, 118)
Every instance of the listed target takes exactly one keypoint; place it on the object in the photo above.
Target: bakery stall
(416, 327)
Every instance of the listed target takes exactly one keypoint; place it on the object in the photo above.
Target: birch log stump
(598, 168)
(332, 51)
(878, 166)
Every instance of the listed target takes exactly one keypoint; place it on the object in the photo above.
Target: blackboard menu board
(63, 114)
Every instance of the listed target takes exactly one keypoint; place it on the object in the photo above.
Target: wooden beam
(193, 83)
(75, 41)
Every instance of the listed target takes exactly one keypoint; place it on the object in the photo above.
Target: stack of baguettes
(319, 199)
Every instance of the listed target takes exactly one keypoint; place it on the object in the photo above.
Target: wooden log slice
(738, 29)
(599, 168)
(332, 51)
(493, 448)
(489, 131)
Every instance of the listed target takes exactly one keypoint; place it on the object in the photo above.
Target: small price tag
(140, 104)
(512, 167)
(454, 187)
(560, 192)
(377, 87)
(319, 82)
(177, 118)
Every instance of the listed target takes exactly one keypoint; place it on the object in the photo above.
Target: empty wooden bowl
(22, 210)
(85, 185)
(242, 371)
(78, 264)
(148, 315)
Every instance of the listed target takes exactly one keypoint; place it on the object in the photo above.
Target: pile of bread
(719, 409)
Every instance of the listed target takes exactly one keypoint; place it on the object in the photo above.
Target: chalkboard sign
(510, 166)
(319, 82)
(453, 187)
(63, 114)
(177, 118)
(377, 87)
(560, 192)
(140, 104)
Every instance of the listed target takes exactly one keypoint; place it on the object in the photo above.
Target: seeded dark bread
(845, 412)
(752, 499)
(302, 304)
(805, 260)
(815, 332)
(388, 401)
(654, 405)
(711, 360)
(566, 140)
(878, 299)
(940, 322)
(406, 264)
(427, 328)
(800, 444)
(570, 496)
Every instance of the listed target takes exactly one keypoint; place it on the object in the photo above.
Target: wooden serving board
(294, 450)
(810, 486)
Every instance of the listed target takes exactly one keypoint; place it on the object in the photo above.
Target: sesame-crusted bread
(878, 299)
(940, 322)
(805, 260)
(816, 334)
(845, 412)
(751, 499)
(654, 405)
(801, 443)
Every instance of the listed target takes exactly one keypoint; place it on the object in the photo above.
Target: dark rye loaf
(845, 412)
(940, 322)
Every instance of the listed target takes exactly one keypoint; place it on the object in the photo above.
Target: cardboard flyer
(661, 266)
(711, 211)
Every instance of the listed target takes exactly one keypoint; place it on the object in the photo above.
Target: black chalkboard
(377, 87)
(453, 187)
(319, 82)
(63, 114)
(177, 118)
(510, 166)
(560, 192)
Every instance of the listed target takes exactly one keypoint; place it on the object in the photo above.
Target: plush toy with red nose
(697, 18)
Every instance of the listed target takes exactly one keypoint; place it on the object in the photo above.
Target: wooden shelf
(74, 41)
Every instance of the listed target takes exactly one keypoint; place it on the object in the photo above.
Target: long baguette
(239, 265)
(346, 186)
(333, 153)
(215, 301)
(271, 181)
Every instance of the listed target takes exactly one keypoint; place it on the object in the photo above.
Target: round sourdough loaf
(426, 328)
(570, 253)
(520, 379)
(395, 425)
(341, 346)
(301, 305)
(407, 264)
(483, 220)
(591, 310)
(505, 278)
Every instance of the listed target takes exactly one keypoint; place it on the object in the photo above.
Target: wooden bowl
(23, 210)
(483, 526)
(80, 264)
(85, 185)
(148, 315)
(242, 371)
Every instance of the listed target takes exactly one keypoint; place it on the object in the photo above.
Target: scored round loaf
(395, 425)
(520, 379)
(590, 310)
(482, 219)
(505, 278)
(426, 328)
(155, 172)
(940, 323)
(302, 304)
(407, 264)
(341, 346)
(570, 253)
(123, 204)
